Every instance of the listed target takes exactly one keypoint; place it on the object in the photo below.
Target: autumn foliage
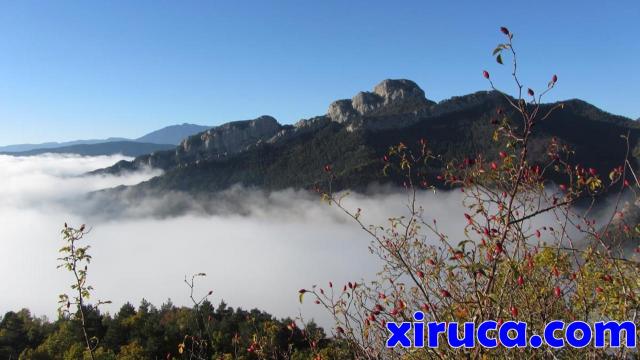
(534, 247)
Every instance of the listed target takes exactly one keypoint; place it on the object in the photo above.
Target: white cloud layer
(257, 249)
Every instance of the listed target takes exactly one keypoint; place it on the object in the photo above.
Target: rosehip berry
(557, 292)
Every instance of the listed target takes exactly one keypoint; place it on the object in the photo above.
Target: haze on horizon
(94, 70)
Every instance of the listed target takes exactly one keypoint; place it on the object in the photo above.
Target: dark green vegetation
(151, 333)
(458, 128)
(127, 148)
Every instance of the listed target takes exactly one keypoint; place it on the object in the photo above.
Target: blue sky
(94, 69)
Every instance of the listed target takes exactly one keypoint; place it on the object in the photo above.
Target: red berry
(420, 274)
(554, 79)
(485, 74)
(494, 166)
(503, 154)
(520, 280)
(563, 187)
(445, 293)
(530, 92)
(468, 217)
(327, 168)
(538, 234)
(557, 292)
(593, 171)
(514, 311)
(504, 30)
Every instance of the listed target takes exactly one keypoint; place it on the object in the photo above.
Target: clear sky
(94, 69)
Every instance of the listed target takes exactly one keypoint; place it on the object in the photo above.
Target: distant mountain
(127, 148)
(53, 145)
(172, 134)
(355, 134)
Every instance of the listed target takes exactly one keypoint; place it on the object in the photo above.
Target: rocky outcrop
(342, 111)
(400, 92)
(230, 138)
(388, 97)
(367, 102)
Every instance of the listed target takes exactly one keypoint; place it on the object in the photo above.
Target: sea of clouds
(257, 248)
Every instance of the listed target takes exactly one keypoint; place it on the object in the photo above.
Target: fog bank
(258, 249)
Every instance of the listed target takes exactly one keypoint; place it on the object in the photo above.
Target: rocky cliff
(389, 97)
(229, 138)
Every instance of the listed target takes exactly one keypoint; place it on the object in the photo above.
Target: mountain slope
(357, 132)
(172, 134)
(127, 148)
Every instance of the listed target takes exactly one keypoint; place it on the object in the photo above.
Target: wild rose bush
(507, 266)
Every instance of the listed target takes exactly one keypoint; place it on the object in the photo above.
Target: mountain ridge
(353, 138)
(172, 134)
(126, 148)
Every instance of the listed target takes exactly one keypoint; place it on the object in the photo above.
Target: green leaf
(499, 59)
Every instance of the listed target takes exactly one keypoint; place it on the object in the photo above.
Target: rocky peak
(388, 97)
(397, 91)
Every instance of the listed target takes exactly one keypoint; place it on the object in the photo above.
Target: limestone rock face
(389, 97)
(342, 111)
(400, 91)
(232, 137)
(367, 102)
